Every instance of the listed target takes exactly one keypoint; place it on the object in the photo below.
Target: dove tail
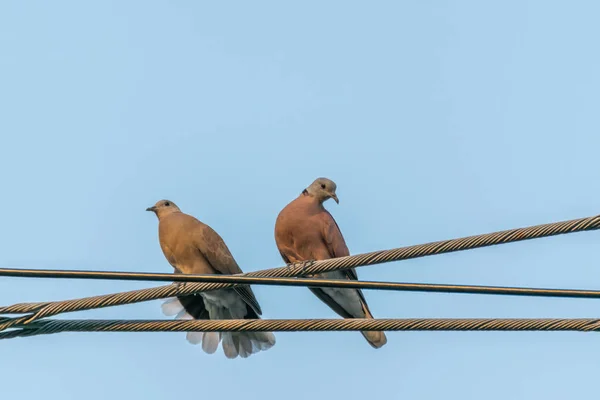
(234, 344)
(377, 339)
(246, 343)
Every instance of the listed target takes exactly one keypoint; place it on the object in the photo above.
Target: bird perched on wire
(193, 247)
(305, 230)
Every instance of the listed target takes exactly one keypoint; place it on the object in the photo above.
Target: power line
(41, 310)
(358, 260)
(303, 282)
(304, 325)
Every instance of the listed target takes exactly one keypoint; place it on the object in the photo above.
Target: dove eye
(322, 186)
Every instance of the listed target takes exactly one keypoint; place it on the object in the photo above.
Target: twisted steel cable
(303, 282)
(304, 325)
(46, 309)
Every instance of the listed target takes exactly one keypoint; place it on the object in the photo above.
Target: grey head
(163, 208)
(323, 189)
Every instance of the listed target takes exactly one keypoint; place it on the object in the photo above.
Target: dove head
(323, 189)
(163, 208)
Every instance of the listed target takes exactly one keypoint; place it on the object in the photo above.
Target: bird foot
(179, 286)
(303, 266)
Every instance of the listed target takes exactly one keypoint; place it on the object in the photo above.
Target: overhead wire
(40, 310)
(46, 327)
(302, 282)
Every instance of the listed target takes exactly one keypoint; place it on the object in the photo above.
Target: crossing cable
(303, 325)
(46, 309)
(303, 282)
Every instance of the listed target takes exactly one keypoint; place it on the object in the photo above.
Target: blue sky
(436, 119)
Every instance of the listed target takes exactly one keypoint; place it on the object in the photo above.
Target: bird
(192, 247)
(305, 230)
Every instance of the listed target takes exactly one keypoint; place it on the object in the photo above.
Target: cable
(303, 282)
(304, 325)
(41, 310)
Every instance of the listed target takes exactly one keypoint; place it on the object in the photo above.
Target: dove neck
(164, 214)
(312, 198)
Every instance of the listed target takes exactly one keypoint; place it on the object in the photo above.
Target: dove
(192, 247)
(305, 230)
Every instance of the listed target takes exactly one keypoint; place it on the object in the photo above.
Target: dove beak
(334, 197)
(153, 209)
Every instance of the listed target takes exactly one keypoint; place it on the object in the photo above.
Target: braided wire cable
(336, 283)
(37, 311)
(305, 325)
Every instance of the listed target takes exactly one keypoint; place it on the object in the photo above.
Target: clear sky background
(437, 119)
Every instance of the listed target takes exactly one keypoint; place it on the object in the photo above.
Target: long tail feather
(234, 344)
(210, 341)
(376, 339)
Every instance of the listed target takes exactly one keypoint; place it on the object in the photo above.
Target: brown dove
(305, 230)
(192, 247)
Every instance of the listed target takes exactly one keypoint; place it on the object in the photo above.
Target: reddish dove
(192, 247)
(305, 230)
